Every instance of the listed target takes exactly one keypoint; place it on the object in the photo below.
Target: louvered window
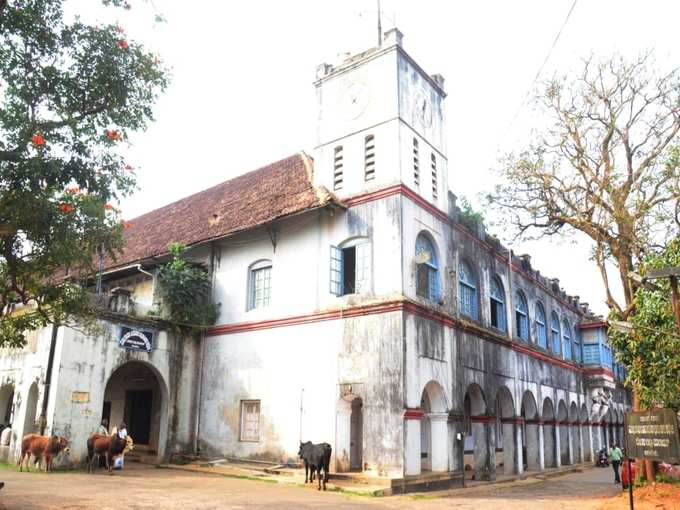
(338, 163)
(433, 159)
(250, 420)
(416, 164)
(369, 157)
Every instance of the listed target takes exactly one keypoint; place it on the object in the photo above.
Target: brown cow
(42, 447)
(110, 446)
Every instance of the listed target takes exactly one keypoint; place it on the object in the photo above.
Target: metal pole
(630, 483)
(48, 379)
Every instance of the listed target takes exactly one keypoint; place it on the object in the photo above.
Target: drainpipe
(511, 315)
(48, 378)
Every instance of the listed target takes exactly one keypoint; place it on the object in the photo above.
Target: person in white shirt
(122, 431)
(6, 435)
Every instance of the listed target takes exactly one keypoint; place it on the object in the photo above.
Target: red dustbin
(624, 472)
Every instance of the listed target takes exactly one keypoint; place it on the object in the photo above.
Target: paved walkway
(142, 487)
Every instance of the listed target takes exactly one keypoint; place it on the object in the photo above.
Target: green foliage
(651, 352)
(468, 216)
(185, 288)
(69, 95)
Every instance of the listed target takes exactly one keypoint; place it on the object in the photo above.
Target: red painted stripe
(598, 371)
(413, 414)
(483, 419)
(593, 325)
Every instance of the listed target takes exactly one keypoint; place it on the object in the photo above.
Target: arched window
(566, 337)
(521, 316)
(541, 336)
(351, 267)
(555, 333)
(259, 284)
(467, 290)
(578, 352)
(497, 301)
(427, 275)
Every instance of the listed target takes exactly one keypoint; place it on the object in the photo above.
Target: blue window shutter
(336, 271)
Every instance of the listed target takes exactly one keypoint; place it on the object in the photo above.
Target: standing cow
(316, 457)
(42, 448)
(109, 446)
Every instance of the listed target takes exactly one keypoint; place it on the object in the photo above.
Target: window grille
(540, 326)
(260, 285)
(427, 274)
(467, 291)
(521, 316)
(250, 420)
(369, 157)
(497, 302)
(338, 163)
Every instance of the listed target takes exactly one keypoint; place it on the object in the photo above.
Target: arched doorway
(136, 395)
(563, 430)
(433, 429)
(7, 404)
(31, 411)
(349, 441)
(530, 441)
(505, 431)
(548, 417)
(477, 439)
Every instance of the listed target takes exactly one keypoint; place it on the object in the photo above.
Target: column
(534, 439)
(412, 419)
(490, 427)
(581, 447)
(558, 445)
(571, 455)
(439, 442)
(541, 445)
(519, 457)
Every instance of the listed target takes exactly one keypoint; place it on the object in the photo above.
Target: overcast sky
(242, 94)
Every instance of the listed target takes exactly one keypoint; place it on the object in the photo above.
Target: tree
(69, 95)
(186, 289)
(650, 351)
(606, 165)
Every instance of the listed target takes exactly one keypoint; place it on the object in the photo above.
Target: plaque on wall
(136, 339)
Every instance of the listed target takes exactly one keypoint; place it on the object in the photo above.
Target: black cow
(316, 457)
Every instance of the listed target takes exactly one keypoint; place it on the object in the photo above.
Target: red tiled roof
(247, 201)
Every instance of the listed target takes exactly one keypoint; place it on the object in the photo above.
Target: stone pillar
(439, 454)
(558, 445)
(549, 440)
(412, 419)
(571, 452)
(490, 427)
(456, 448)
(519, 457)
(541, 446)
(534, 439)
(512, 449)
(581, 447)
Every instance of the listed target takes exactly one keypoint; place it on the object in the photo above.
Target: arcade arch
(434, 429)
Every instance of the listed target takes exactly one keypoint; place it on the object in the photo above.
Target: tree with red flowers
(70, 93)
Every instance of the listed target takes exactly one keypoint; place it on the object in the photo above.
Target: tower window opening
(338, 162)
(416, 164)
(433, 159)
(369, 157)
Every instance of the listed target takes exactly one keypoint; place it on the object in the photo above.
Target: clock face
(422, 109)
(354, 99)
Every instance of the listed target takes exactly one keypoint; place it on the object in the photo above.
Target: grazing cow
(42, 447)
(316, 457)
(109, 446)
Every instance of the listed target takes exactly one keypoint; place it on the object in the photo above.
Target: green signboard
(652, 435)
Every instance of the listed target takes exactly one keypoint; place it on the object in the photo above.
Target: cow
(110, 446)
(42, 448)
(316, 457)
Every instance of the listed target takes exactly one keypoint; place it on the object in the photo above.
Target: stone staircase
(143, 454)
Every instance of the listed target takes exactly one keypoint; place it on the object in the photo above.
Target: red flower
(65, 208)
(126, 224)
(123, 44)
(113, 134)
(74, 189)
(38, 140)
(108, 207)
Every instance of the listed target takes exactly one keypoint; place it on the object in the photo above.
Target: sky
(242, 96)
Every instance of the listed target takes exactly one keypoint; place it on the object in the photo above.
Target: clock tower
(380, 123)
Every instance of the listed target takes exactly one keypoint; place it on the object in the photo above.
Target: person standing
(615, 455)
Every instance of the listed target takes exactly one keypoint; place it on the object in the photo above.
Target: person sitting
(103, 429)
(122, 431)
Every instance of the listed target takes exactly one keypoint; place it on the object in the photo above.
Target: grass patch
(422, 496)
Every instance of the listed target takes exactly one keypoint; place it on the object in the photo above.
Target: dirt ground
(662, 496)
(142, 487)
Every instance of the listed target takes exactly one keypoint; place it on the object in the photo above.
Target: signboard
(136, 339)
(80, 397)
(652, 435)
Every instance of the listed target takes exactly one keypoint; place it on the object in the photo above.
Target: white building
(357, 307)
